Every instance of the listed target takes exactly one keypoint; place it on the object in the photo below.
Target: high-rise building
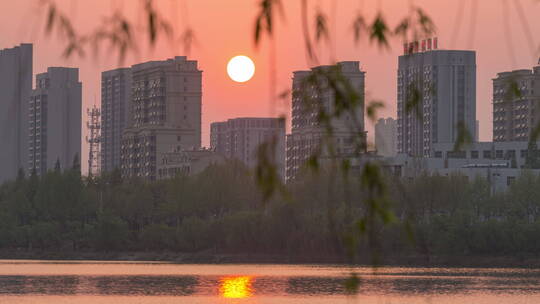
(436, 98)
(165, 111)
(516, 104)
(240, 138)
(55, 111)
(386, 137)
(307, 133)
(115, 115)
(15, 88)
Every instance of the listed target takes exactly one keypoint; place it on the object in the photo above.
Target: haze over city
(270, 151)
(231, 33)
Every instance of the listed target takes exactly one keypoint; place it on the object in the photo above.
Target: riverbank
(524, 261)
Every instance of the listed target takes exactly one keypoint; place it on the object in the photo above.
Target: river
(24, 281)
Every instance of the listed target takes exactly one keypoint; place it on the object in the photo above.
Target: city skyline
(159, 96)
(270, 151)
(225, 99)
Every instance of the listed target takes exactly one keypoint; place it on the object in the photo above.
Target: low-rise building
(386, 137)
(500, 163)
(187, 162)
(515, 152)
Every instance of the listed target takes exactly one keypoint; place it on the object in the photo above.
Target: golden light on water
(236, 287)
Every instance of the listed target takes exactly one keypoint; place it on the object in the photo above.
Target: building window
(474, 154)
(486, 154)
(511, 154)
(523, 153)
(499, 154)
(456, 154)
(510, 180)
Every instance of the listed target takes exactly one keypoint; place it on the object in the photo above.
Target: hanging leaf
(379, 32)
(359, 26)
(321, 27)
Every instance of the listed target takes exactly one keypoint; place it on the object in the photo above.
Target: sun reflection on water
(236, 287)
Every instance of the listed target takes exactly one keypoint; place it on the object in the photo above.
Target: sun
(241, 68)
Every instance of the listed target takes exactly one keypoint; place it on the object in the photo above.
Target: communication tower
(94, 140)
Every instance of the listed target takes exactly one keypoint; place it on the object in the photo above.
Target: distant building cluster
(40, 128)
(436, 109)
(150, 120)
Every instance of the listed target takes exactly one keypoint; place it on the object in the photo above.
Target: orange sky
(224, 28)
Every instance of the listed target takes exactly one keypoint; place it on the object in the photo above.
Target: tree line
(222, 211)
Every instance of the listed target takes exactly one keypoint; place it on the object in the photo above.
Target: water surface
(143, 282)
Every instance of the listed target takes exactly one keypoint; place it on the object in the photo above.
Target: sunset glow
(239, 152)
(241, 68)
(236, 287)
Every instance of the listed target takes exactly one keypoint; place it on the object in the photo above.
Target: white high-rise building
(15, 88)
(436, 98)
(116, 115)
(307, 133)
(55, 120)
(165, 113)
(386, 137)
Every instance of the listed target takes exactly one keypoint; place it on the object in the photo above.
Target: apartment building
(436, 98)
(15, 88)
(165, 114)
(516, 104)
(307, 133)
(116, 108)
(240, 138)
(55, 115)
